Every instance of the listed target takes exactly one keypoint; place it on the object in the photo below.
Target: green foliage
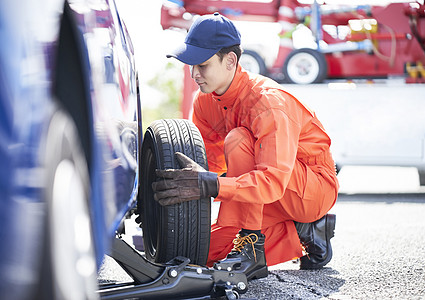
(169, 84)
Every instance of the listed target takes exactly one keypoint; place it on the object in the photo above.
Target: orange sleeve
(213, 143)
(275, 149)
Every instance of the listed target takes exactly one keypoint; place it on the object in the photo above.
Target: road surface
(379, 248)
(379, 244)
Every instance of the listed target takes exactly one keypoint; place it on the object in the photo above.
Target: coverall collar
(229, 97)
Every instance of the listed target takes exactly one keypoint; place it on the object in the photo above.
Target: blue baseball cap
(207, 35)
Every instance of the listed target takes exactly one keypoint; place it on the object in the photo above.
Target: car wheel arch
(71, 89)
(71, 85)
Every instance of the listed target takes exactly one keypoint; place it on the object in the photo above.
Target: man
(268, 155)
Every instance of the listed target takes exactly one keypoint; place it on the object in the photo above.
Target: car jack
(177, 279)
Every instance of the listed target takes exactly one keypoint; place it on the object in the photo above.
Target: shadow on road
(296, 284)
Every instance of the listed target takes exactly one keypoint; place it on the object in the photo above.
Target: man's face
(212, 75)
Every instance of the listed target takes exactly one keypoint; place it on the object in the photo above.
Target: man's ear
(231, 60)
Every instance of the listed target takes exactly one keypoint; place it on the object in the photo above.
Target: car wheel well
(71, 83)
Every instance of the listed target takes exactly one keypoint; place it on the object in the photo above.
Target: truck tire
(181, 229)
(253, 62)
(305, 66)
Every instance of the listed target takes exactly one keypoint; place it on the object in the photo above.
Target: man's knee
(239, 151)
(240, 139)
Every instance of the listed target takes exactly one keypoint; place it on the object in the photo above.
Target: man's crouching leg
(248, 246)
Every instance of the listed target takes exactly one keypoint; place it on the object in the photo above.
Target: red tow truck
(350, 41)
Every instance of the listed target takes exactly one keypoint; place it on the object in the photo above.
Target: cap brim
(192, 55)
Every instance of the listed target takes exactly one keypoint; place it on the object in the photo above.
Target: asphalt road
(379, 244)
(379, 248)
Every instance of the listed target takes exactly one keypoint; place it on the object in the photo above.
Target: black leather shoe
(248, 252)
(315, 237)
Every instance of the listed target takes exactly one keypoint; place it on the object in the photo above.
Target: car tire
(305, 66)
(69, 265)
(253, 62)
(181, 229)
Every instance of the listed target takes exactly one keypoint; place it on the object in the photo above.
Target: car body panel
(29, 31)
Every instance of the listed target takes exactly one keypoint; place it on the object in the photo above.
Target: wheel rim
(72, 247)
(303, 68)
(249, 63)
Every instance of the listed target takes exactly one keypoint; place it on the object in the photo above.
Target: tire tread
(186, 231)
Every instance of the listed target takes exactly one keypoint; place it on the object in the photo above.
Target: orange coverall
(278, 163)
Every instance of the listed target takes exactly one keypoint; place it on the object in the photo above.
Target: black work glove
(179, 185)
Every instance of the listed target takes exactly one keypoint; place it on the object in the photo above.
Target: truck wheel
(305, 66)
(180, 229)
(252, 62)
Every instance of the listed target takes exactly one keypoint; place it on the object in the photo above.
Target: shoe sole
(330, 233)
(258, 273)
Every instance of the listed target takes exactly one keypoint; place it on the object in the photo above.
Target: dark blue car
(71, 154)
(69, 139)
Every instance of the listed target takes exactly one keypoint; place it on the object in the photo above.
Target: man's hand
(192, 182)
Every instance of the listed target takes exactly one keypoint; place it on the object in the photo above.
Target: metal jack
(177, 279)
